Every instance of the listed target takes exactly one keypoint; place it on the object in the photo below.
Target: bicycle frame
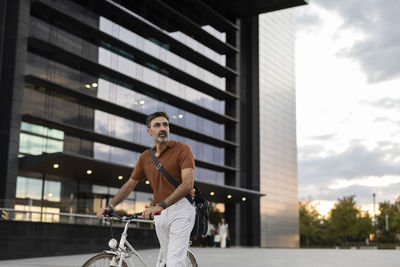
(125, 249)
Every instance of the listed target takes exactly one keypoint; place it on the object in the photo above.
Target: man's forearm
(124, 192)
(181, 191)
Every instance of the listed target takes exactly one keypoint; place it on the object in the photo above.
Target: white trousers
(223, 240)
(173, 228)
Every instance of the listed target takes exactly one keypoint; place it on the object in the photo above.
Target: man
(174, 224)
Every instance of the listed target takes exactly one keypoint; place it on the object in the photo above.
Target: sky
(348, 101)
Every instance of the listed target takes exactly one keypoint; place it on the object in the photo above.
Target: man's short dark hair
(151, 116)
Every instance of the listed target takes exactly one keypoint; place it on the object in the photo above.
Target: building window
(36, 139)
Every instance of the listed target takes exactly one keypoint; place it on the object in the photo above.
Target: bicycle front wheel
(191, 260)
(103, 260)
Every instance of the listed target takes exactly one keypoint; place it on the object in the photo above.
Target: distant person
(217, 238)
(223, 230)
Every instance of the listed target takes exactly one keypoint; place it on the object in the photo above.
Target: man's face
(159, 129)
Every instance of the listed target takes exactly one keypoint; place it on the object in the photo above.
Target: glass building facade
(84, 75)
(38, 102)
(278, 149)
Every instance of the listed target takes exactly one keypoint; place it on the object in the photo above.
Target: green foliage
(345, 224)
(344, 217)
(393, 210)
(364, 226)
(314, 231)
(215, 215)
(309, 220)
(347, 221)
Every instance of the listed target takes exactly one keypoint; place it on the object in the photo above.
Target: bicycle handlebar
(111, 214)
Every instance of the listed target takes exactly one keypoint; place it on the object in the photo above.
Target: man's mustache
(162, 132)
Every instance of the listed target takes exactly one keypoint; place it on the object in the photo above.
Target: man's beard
(162, 139)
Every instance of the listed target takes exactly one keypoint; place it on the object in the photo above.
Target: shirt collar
(170, 144)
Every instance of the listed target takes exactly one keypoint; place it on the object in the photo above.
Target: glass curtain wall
(66, 194)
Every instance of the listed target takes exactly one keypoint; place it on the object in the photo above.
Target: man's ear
(148, 131)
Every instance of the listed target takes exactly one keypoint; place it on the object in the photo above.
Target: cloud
(356, 161)
(323, 137)
(356, 171)
(306, 18)
(378, 52)
(385, 103)
(363, 194)
(371, 181)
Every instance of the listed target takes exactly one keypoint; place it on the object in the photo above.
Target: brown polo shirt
(176, 157)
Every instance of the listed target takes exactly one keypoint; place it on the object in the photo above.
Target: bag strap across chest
(166, 174)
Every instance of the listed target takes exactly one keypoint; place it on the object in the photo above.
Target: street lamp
(373, 195)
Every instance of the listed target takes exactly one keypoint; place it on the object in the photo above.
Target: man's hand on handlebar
(150, 212)
(104, 211)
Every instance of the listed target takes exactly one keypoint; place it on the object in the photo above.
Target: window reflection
(115, 154)
(35, 216)
(29, 188)
(209, 176)
(35, 145)
(29, 198)
(135, 202)
(52, 191)
(41, 140)
(161, 51)
(41, 130)
(153, 77)
(139, 102)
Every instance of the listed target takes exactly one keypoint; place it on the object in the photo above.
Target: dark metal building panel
(203, 14)
(249, 129)
(14, 28)
(241, 9)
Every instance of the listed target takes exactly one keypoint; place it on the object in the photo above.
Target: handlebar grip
(108, 212)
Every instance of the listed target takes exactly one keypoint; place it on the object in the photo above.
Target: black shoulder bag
(201, 204)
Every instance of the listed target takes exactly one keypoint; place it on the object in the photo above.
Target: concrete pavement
(248, 257)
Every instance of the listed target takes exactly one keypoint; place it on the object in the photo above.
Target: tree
(215, 215)
(347, 221)
(364, 226)
(309, 221)
(393, 211)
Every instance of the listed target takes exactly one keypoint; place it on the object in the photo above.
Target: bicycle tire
(191, 260)
(101, 260)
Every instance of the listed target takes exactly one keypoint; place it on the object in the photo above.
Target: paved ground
(250, 257)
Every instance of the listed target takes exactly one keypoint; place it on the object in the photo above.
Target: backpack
(200, 203)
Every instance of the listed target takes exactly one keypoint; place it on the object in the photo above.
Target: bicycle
(122, 254)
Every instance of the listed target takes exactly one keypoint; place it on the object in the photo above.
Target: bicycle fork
(121, 246)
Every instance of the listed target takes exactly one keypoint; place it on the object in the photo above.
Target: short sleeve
(138, 171)
(186, 159)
